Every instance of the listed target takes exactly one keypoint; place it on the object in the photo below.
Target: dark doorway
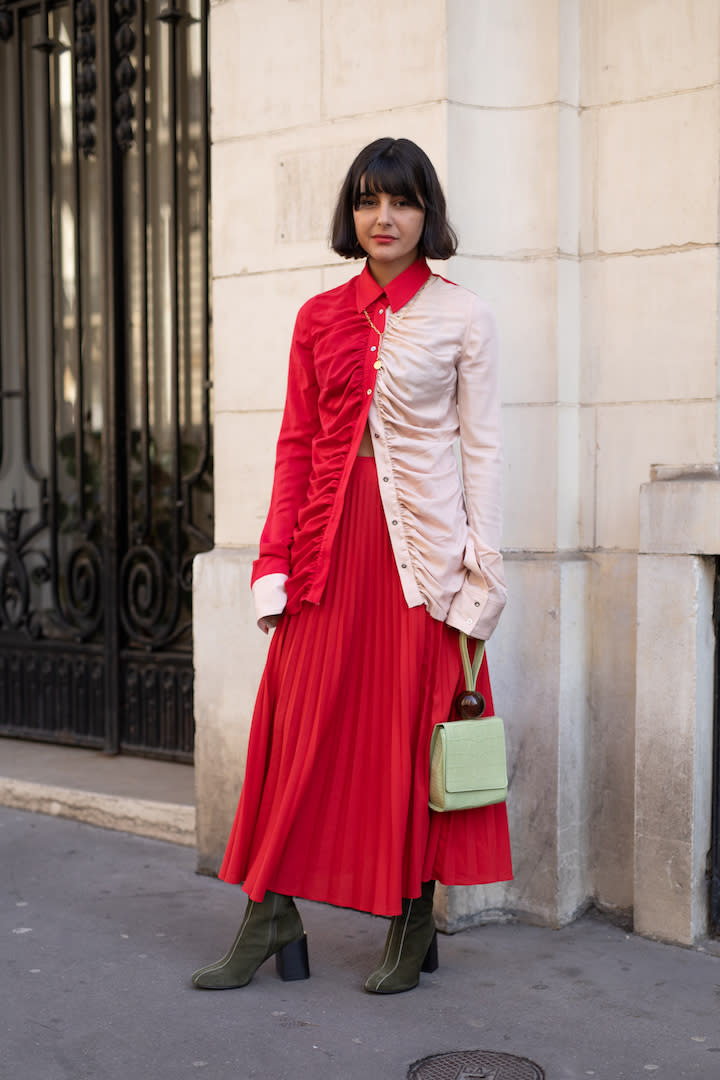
(105, 440)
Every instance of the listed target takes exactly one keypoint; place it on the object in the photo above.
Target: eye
(365, 200)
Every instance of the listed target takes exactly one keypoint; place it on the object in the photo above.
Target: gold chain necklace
(400, 315)
(378, 332)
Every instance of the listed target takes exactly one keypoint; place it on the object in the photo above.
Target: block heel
(431, 962)
(292, 962)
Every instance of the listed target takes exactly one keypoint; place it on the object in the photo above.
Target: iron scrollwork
(86, 76)
(125, 73)
(83, 580)
(17, 576)
(171, 14)
(105, 497)
(6, 23)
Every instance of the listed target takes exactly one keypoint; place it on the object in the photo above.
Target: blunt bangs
(391, 175)
(394, 167)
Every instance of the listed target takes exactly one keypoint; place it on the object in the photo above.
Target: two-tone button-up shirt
(415, 361)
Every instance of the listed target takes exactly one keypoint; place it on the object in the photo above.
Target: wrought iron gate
(105, 442)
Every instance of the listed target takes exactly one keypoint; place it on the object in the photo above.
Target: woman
(372, 558)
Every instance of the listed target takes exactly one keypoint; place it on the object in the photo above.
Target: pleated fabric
(334, 806)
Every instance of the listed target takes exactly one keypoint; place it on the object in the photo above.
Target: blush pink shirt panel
(434, 388)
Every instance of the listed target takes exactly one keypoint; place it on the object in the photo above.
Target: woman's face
(388, 229)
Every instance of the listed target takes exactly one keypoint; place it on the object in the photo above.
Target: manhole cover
(475, 1065)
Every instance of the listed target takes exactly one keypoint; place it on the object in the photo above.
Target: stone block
(663, 889)
(264, 76)
(673, 745)
(631, 438)
(589, 172)
(340, 272)
(229, 653)
(253, 319)
(244, 464)
(658, 172)
(523, 297)
(502, 55)
(633, 49)
(586, 504)
(523, 659)
(569, 51)
(278, 217)
(538, 671)
(573, 740)
(569, 180)
(569, 477)
(650, 327)
(274, 194)
(503, 179)
(569, 331)
(681, 516)
(382, 56)
(613, 617)
(531, 477)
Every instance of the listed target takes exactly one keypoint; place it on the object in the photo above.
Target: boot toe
(212, 979)
(380, 983)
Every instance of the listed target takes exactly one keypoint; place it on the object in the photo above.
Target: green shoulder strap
(471, 670)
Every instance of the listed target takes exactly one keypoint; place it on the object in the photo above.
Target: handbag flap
(475, 757)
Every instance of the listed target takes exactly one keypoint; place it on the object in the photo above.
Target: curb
(173, 822)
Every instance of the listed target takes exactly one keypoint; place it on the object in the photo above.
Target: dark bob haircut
(394, 167)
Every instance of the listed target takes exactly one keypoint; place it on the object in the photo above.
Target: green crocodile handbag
(468, 764)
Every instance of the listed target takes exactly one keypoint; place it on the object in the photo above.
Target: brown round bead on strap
(469, 704)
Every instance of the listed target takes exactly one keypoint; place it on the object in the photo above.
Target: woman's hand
(269, 622)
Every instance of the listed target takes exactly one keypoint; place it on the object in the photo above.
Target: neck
(385, 272)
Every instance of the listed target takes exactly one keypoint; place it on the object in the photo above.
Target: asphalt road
(100, 931)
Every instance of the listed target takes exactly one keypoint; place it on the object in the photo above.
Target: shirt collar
(398, 291)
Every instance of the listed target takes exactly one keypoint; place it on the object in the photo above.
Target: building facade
(578, 142)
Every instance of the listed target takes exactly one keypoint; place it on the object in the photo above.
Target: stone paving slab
(100, 931)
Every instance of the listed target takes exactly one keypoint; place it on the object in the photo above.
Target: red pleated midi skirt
(334, 806)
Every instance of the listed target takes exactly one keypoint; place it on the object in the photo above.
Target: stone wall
(579, 146)
(649, 368)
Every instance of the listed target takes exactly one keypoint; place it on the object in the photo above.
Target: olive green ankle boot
(273, 926)
(411, 946)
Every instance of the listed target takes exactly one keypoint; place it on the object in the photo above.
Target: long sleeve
(477, 607)
(293, 460)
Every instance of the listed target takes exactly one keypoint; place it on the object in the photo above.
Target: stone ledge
(172, 822)
(680, 512)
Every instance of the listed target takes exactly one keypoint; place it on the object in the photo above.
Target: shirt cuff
(476, 610)
(269, 595)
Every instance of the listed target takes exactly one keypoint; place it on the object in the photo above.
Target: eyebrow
(374, 194)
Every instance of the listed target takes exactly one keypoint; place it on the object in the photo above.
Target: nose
(384, 207)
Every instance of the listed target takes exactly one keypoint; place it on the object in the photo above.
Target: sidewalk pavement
(100, 931)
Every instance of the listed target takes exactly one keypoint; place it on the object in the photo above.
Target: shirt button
(370, 390)
(477, 603)
(373, 348)
(404, 565)
(377, 365)
(386, 478)
(394, 522)
(381, 311)
(377, 435)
